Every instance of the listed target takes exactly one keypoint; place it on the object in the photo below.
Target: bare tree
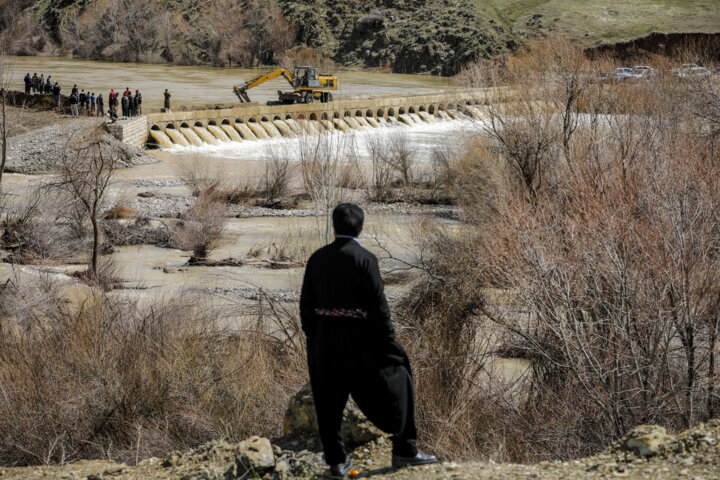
(5, 81)
(84, 172)
(323, 162)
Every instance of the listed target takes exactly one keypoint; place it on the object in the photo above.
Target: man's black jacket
(343, 303)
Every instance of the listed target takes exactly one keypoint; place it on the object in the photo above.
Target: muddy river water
(149, 269)
(200, 85)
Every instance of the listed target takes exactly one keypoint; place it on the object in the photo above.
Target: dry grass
(592, 251)
(105, 377)
(120, 211)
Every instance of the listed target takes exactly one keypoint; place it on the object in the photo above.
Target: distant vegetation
(409, 36)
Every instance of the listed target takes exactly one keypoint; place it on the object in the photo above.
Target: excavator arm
(241, 90)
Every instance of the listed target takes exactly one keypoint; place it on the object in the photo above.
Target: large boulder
(645, 440)
(300, 420)
(254, 458)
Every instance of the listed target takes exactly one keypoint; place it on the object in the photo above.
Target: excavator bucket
(241, 94)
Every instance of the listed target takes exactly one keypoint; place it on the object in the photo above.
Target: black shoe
(341, 469)
(418, 459)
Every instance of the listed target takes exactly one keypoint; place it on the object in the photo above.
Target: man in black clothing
(81, 101)
(352, 348)
(28, 83)
(56, 94)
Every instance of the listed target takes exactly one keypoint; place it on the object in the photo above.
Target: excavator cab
(305, 77)
(309, 85)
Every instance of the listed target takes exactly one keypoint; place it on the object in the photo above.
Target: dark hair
(348, 219)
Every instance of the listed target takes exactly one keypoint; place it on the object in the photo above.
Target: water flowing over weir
(252, 122)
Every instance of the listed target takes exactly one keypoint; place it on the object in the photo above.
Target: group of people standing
(41, 85)
(130, 104)
(86, 103)
(82, 102)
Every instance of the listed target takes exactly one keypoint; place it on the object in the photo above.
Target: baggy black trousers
(381, 383)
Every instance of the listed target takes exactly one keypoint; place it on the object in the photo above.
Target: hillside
(595, 22)
(408, 36)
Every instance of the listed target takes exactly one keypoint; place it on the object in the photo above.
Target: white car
(621, 74)
(691, 70)
(643, 72)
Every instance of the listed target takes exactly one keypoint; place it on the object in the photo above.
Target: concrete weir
(256, 122)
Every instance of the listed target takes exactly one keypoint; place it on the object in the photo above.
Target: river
(200, 85)
(153, 269)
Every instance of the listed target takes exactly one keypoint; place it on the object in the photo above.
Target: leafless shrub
(381, 185)
(323, 163)
(278, 172)
(201, 227)
(119, 211)
(401, 155)
(594, 258)
(392, 157)
(41, 230)
(119, 379)
(239, 192)
(195, 173)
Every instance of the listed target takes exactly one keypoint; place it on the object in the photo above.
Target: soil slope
(646, 452)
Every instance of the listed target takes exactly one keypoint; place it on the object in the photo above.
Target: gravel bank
(35, 152)
(155, 204)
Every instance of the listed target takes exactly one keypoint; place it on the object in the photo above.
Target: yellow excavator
(309, 85)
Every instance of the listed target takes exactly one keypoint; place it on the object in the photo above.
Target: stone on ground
(254, 458)
(645, 440)
(300, 420)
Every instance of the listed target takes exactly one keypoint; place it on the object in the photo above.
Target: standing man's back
(352, 348)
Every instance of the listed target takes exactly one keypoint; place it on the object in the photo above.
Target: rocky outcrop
(408, 36)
